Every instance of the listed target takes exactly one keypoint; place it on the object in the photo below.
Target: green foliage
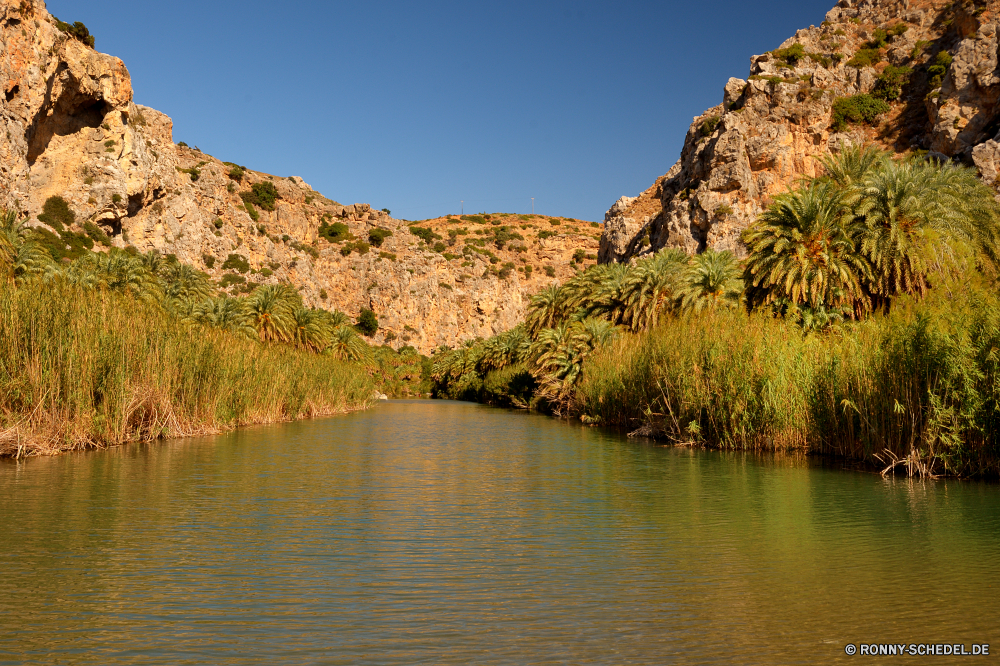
(890, 82)
(218, 223)
(208, 260)
(427, 235)
(57, 214)
(867, 57)
(899, 29)
(543, 234)
(377, 236)
(856, 109)
(251, 211)
(367, 322)
(262, 195)
(550, 271)
(236, 172)
(334, 233)
(236, 262)
(791, 55)
(77, 31)
(96, 233)
(708, 126)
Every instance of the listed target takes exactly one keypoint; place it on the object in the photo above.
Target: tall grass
(920, 385)
(90, 368)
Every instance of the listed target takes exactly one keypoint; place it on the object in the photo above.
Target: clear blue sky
(413, 106)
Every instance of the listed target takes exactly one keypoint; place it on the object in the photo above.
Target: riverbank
(92, 368)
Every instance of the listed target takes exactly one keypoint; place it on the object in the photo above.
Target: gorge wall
(73, 131)
(769, 130)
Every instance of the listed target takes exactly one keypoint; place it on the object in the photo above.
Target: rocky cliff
(926, 71)
(73, 131)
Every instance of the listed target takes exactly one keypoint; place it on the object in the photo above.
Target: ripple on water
(435, 532)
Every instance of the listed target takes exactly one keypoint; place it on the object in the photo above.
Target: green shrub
(323, 295)
(708, 125)
(57, 214)
(236, 172)
(918, 48)
(209, 260)
(425, 234)
(97, 234)
(251, 211)
(889, 85)
(543, 234)
(230, 279)
(550, 271)
(387, 255)
(378, 235)
(724, 209)
(237, 262)
(194, 172)
(944, 59)
(266, 272)
(181, 144)
(856, 109)
(791, 55)
(898, 29)
(579, 255)
(263, 195)
(334, 233)
(218, 223)
(440, 247)
(77, 31)
(478, 219)
(387, 211)
(367, 322)
(865, 58)
(879, 38)
(819, 59)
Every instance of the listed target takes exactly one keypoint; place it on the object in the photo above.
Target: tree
(21, 257)
(711, 280)
(801, 248)
(271, 308)
(543, 310)
(652, 289)
(367, 322)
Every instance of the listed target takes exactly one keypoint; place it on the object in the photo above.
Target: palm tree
(711, 280)
(115, 270)
(21, 257)
(229, 314)
(347, 345)
(543, 310)
(917, 216)
(504, 350)
(309, 329)
(652, 289)
(852, 165)
(185, 283)
(271, 307)
(801, 248)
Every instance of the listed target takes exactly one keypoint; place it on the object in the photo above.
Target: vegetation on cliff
(119, 346)
(864, 322)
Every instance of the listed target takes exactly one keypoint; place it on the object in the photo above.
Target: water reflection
(424, 532)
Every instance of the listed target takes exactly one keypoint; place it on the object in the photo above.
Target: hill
(91, 169)
(913, 76)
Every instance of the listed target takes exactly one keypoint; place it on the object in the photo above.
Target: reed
(919, 386)
(86, 368)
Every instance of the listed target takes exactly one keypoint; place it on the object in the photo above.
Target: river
(451, 533)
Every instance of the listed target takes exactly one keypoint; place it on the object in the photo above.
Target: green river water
(453, 533)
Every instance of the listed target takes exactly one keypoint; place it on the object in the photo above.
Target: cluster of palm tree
(872, 228)
(567, 323)
(271, 313)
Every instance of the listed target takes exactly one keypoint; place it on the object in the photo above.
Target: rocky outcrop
(73, 130)
(772, 128)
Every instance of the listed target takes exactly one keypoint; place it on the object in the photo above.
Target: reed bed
(82, 368)
(917, 387)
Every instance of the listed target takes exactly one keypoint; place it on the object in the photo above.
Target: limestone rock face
(772, 129)
(72, 130)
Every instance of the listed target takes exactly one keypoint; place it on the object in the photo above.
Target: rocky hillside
(910, 75)
(98, 167)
